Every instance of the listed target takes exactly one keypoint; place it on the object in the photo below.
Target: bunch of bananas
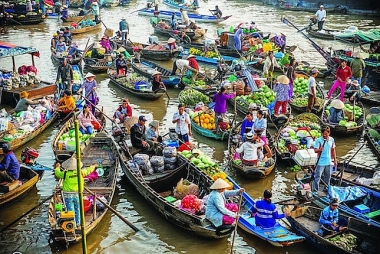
(211, 54)
(194, 51)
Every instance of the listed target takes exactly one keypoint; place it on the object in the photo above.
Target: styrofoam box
(305, 157)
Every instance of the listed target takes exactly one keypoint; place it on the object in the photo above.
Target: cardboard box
(305, 157)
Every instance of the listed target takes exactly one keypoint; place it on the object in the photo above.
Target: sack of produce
(170, 160)
(169, 166)
(157, 161)
(169, 151)
(184, 187)
(159, 169)
(144, 164)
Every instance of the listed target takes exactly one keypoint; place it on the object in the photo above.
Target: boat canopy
(346, 193)
(11, 50)
(360, 37)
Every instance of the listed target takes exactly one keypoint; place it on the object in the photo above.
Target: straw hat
(95, 3)
(156, 73)
(171, 40)
(121, 49)
(190, 56)
(338, 104)
(71, 164)
(89, 75)
(358, 55)
(219, 184)
(154, 124)
(355, 83)
(24, 94)
(97, 45)
(283, 79)
(192, 20)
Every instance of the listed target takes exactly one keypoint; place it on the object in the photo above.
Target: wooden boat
(77, 18)
(288, 7)
(285, 145)
(159, 55)
(76, 4)
(61, 152)
(222, 135)
(129, 88)
(86, 29)
(196, 17)
(299, 102)
(98, 65)
(182, 4)
(304, 221)
(20, 16)
(327, 34)
(161, 30)
(101, 150)
(146, 68)
(339, 129)
(224, 51)
(157, 189)
(249, 172)
(209, 88)
(278, 235)
(209, 60)
(57, 60)
(20, 141)
(15, 190)
(373, 139)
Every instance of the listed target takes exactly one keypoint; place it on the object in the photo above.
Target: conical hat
(89, 75)
(283, 79)
(71, 164)
(121, 49)
(338, 104)
(156, 73)
(219, 184)
(171, 40)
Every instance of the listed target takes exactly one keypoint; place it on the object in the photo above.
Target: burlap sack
(184, 188)
(129, 123)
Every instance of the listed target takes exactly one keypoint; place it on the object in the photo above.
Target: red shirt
(185, 146)
(193, 63)
(343, 74)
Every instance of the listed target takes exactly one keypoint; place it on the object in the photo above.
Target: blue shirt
(11, 165)
(325, 157)
(266, 214)
(328, 216)
(335, 115)
(260, 124)
(246, 127)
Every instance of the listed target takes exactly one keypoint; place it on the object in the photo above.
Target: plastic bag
(169, 151)
(157, 161)
(170, 160)
(170, 166)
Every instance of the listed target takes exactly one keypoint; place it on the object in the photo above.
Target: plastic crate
(362, 209)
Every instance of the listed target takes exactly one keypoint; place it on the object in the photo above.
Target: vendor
(9, 166)
(24, 102)
(354, 91)
(67, 103)
(105, 42)
(95, 53)
(171, 44)
(336, 111)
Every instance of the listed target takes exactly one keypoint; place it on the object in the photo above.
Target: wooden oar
(114, 211)
(236, 224)
(347, 163)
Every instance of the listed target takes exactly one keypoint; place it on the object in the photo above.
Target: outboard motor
(118, 133)
(303, 192)
(29, 155)
(173, 134)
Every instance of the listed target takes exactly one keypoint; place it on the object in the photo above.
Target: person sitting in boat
(81, 12)
(138, 137)
(67, 35)
(265, 211)
(73, 50)
(24, 102)
(223, 39)
(54, 41)
(157, 81)
(65, 13)
(29, 6)
(152, 133)
(171, 44)
(336, 111)
(123, 52)
(246, 125)
(252, 27)
(9, 165)
(216, 210)
(61, 47)
(181, 36)
(105, 43)
(354, 91)
(70, 183)
(67, 103)
(260, 126)
(329, 218)
(87, 121)
(97, 51)
(123, 112)
(121, 64)
(174, 21)
(249, 148)
(217, 12)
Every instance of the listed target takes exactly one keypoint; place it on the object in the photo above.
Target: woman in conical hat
(216, 212)
(89, 86)
(282, 94)
(336, 111)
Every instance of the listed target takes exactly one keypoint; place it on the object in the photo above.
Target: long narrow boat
(57, 60)
(77, 18)
(209, 60)
(286, 139)
(17, 189)
(111, 3)
(372, 135)
(146, 68)
(146, 94)
(61, 148)
(94, 64)
(249, 172)
(326, 34)
(299, 101)
(184, 5)
(277, 235)
(224, 51)
(157, 189)
(103, 151)
(196, 17)
(86, 29)
(358, 122)
(164, 28)
(305, 221)
(221, 135)
(159, 55)
(22, 140)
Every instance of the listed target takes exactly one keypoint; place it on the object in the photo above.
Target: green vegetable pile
(373, 120)
(191, 97)
(295, 168)
(264, 96)
(350, 109)
(345, 241)
(300, 86)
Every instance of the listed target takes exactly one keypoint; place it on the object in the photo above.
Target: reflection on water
(31, 233)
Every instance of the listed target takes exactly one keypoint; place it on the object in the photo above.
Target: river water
(31, 233)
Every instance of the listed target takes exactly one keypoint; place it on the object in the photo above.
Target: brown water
(31, 234)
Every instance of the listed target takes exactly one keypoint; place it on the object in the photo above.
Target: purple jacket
(11, 165)
(87, 86)
(221, 102)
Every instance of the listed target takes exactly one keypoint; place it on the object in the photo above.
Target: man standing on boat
(124, 29)
(9, 166)
(320, 15)
(357, 66)
(95, 11)
(184, 17)
(65, 76)
(312, 92)
(183, 123)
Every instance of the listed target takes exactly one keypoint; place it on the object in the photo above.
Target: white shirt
(311, 85)
(321, 15)
(182, 64)
(250, 150)
(184, 17)
(182, 127)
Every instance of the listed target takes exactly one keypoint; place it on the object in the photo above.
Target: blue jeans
(72, 204)
(184, 137)
(124, 38)
(326, 170)
(88, 130)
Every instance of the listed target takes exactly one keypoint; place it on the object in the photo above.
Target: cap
(123, 18)
(219, 184)
(6, 147)
(334, 201)
(253, 22)
(321, 6)
(267, 194)
(314, 70)
(154, 124)
(142, 118)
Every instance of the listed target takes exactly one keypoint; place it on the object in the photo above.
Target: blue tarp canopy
(9, 50)
(349, 193)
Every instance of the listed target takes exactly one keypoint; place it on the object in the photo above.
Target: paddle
(114, 211)
(236, 223)
(85, 50)
(346, 164)
(26, 213)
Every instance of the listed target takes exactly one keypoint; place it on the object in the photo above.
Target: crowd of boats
(356, 186)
